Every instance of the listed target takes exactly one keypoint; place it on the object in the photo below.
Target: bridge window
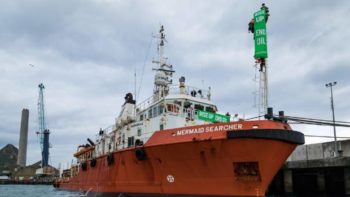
(160, 109)
(172, 108)
(154, 112)
(187, 104)
(141, 117)
(150, 113)
(179, 103)
(210, 109)
(198, 107)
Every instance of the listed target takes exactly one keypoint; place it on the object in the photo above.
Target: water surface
(34, 191)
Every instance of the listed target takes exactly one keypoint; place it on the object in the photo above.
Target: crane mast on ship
(43, 131)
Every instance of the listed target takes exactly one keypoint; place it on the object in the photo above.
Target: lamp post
(330, 85)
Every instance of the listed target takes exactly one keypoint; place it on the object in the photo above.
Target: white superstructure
(170, 106)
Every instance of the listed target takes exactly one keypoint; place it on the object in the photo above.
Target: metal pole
(334, 129)
(336, 151)
(266, 88)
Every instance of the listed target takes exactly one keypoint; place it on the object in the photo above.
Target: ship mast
(164, 71)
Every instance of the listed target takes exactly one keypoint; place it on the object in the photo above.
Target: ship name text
(208, 129)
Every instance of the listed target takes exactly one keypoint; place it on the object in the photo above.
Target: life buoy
(140, 154)
(110, 159)
(93, 163)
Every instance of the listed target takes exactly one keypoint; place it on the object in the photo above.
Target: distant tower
(43, 131)
(23, 139)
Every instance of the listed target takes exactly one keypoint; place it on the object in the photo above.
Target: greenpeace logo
(209, 129)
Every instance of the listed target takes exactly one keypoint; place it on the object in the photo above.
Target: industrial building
(315, 169)
(11, 172)
(8, 161)
(13, 168)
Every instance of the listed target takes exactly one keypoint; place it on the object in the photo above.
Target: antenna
(143, 66)
(164, 71)
(135, 83)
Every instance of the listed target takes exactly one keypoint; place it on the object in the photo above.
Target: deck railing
(175, 90)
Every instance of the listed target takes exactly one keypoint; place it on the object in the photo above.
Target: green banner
(260, 34)
(212, 117)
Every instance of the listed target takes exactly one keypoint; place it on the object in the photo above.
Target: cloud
(85, 52)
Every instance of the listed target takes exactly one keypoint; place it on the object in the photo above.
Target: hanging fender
(140, 154)
(110, 159)
(84, 166)
(93, 162)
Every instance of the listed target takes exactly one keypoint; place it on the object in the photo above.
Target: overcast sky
(85, 52)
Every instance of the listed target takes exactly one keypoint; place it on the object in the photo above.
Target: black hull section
(146, 195)
(294, 137)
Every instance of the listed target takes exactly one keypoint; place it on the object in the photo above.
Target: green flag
(260, 34)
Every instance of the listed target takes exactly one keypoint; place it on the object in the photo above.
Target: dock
(315, 169)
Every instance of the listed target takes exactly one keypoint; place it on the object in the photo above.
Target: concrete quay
(315, 169)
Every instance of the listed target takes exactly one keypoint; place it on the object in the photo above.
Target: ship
(176, 143)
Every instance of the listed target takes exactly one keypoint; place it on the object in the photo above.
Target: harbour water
(34, 191)
(50, 191)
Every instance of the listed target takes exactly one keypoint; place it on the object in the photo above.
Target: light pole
(330, 85)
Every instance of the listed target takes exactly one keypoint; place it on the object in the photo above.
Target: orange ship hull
(199, 160)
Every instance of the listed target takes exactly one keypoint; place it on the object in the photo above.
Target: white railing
(176, 90)
(145, 104)
(189, 90)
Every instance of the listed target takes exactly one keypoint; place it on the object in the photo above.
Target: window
(154, 111)
(131, 141)
(187, 104)
(141, 117)
(139, 131)
(172, 108)
(160, 109)
(198, 107)
(179, 103)
(150, 113)
(161, 127)
(169, 107)
(209, 109)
